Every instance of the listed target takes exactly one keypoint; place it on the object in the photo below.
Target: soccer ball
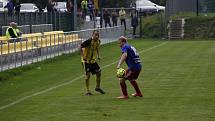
(120, 73)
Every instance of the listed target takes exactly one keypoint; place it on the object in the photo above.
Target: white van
(3, 3)
(28, 7)
(146, 6)
(60, 6)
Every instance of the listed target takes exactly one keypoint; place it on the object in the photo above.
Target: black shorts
(91, 67)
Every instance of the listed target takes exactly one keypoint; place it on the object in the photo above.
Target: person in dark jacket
(10, 7)
(17, 7)
(91, 9)
(106, 17)
(114, 18)
(134, 23)
(101, 18)
(69, 6)
(50, 6)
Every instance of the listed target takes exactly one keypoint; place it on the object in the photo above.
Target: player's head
(96, 34)
(122, 40)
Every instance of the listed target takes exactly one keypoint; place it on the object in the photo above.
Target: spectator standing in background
(69, 6)
(96, 7)
(50, 6)
(17, 7)
(133, 4)
(134, 23)
(106, 17)
(122, 15)
(91, 9)
(10, 7)
(133, 10)
(114, 18)
(101, 19)
(84, 8)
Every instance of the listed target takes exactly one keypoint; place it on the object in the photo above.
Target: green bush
(200, 27)
(153, 26)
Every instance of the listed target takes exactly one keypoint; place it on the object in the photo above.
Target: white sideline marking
(66, 83)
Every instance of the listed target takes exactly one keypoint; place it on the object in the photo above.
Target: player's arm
(122, 59)
(98, 51)
(98, 54)
(83, 45)
(81, 50)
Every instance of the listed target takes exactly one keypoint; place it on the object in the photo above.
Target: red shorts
(132, 74)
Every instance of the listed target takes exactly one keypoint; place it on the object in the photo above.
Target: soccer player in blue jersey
(132, 59)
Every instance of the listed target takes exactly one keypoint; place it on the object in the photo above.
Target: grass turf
(177, 82)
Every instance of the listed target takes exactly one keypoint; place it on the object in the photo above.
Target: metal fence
(60, 21)
(37, 48)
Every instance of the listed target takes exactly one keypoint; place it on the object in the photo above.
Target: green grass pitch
(177, 81)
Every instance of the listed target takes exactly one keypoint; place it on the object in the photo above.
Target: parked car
(3, 3)
(60, 6)
(159, 8)
(28, 7)
(147, 7)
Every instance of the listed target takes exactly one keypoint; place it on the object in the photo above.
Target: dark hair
(96, 30)
(96, 33)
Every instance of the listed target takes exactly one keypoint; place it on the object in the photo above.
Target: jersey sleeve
(124, 49)
(86, 43)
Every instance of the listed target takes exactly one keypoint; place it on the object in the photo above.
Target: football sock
(98, 80)
(124, 88)
(87, 85)
(135, 85)
(97, 83)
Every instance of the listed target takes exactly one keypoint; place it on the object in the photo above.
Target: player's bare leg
(87, 82)
(136, 87)
(98, 83)
(123, 89)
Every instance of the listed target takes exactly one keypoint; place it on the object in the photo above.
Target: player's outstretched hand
(117, 67)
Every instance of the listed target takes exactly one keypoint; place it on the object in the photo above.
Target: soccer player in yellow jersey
(90, 53)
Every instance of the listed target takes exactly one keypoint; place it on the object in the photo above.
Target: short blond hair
(123, 39)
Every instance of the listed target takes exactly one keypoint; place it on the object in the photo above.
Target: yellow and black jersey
(89, 48)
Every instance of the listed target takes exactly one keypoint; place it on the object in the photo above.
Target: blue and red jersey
(133, 59)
